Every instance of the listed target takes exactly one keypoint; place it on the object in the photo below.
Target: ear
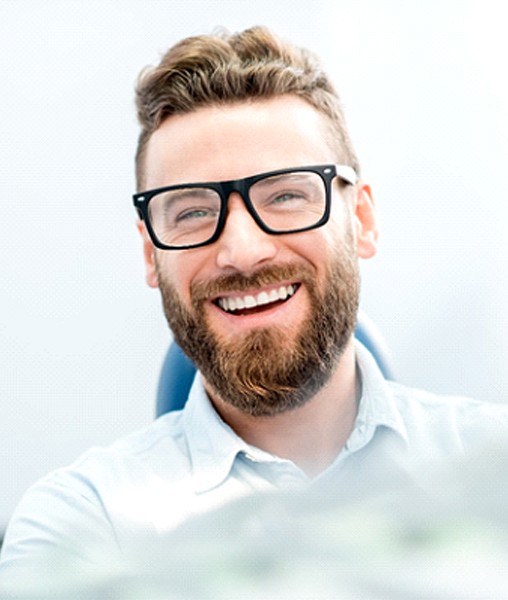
(149, 256)
(365, 221)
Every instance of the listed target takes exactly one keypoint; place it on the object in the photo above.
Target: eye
(196, 213)
(286, 197)
(289, 199)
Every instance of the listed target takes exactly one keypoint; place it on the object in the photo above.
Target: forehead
(238, 140)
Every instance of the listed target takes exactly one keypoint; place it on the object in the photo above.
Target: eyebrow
(285, 176)
(184, 193)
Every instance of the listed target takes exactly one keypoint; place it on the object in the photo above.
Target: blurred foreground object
(450, 542)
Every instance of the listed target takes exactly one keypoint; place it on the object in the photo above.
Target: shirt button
(251, 458)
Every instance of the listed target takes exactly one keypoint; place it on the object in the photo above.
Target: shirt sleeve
(58, 531)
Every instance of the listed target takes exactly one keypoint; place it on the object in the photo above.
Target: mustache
(238, 282)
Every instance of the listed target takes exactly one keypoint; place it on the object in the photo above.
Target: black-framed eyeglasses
(190, 215)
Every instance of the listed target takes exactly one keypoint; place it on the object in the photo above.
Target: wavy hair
(224, 68)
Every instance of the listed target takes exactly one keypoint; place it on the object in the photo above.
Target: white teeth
(231, 304)
(273, 296)
(250, 302)
(263, 298)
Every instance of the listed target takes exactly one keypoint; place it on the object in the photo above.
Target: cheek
(181, 269)
(331, 246)
(320, 246)
(168, 270)
(341, 230)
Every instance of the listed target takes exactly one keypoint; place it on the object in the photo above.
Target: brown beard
(262, 373)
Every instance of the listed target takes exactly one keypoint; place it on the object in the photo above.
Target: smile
(233, 304)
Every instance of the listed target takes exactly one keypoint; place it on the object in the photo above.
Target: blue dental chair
(178, 370)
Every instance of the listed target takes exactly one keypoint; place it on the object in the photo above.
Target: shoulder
(165, 434)
(449, 421)
(433, 405)
(102, 496)
(158, 450)
(140, 450)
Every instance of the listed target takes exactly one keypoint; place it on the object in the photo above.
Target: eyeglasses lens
(287, 202)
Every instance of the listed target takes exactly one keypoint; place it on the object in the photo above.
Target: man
(253, 216)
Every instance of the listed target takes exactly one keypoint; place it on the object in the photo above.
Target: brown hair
(224, 68)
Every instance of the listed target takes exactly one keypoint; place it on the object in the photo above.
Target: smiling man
(258, 269)
(253, 215)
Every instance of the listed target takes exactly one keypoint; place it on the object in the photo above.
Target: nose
(243, 246)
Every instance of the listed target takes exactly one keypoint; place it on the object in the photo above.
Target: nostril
(245, 255)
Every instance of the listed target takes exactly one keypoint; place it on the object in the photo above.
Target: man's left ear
(365, 221)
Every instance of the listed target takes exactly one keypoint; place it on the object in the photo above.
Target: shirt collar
(377, 407)
(213, 445)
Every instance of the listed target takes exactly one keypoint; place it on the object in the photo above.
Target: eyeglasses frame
(242, 186)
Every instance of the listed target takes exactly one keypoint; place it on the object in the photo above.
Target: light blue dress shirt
(189, 462)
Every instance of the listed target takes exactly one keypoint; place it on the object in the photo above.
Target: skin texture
(229, 142)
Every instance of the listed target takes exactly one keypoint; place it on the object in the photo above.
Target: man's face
(273, 356)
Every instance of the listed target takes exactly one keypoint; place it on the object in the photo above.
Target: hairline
(332, 132)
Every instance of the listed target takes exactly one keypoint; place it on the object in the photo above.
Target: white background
(424, 85)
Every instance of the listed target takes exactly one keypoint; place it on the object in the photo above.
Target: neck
(312, 435)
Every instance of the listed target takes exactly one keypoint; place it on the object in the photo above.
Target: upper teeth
(249, 301)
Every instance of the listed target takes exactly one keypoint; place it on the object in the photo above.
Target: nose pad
(243, 245)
